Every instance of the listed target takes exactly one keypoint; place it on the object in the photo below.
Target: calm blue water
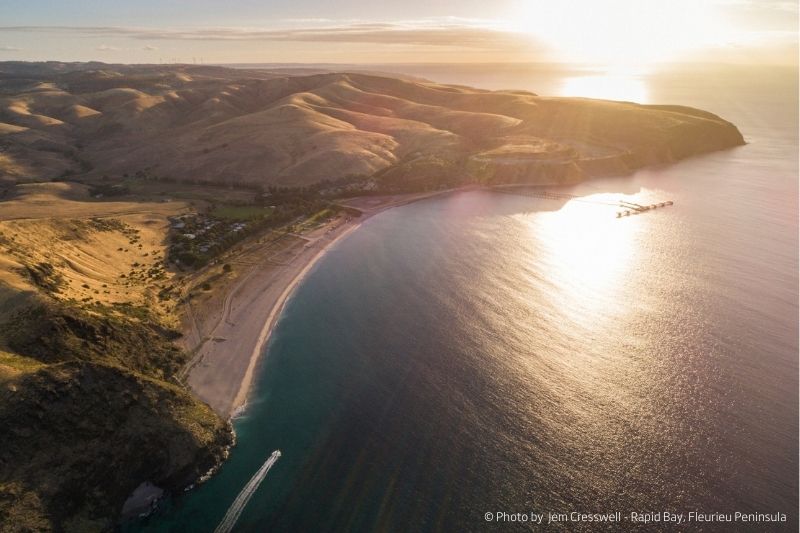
(484, 352)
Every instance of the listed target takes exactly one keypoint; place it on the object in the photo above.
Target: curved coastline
(240, 401)
(223, 369)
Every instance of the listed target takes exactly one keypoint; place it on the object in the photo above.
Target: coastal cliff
(89, 411)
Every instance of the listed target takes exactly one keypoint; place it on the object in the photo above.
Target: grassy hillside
(90, 409)
(89, 402)
(203, 124)
(57, 240)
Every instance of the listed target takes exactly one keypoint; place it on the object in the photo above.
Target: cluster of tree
(187, 252)
(275, 195)
(108, 189)
(423, 174)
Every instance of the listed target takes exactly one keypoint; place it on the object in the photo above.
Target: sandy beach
(228, 342)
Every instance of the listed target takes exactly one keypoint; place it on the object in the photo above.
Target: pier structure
(628, 208)
(631, 208)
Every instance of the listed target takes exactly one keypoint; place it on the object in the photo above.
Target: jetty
(628, 208)
(631, 208)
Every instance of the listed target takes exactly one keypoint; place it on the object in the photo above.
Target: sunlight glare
(611, 87)
(625, 33)
(588, 253)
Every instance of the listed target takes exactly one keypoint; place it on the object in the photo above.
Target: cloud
(460, 33)
(106, 48)
(10, 49)
(776, 5)
(150, 47)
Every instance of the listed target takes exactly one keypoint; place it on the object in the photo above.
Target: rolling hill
(213, 124)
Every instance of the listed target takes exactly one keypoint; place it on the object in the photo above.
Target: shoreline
(223, 369)
(240, 401)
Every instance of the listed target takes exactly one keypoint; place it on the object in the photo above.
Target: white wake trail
(238, 505)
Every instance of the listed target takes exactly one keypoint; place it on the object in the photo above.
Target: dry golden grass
(12, 366)
(221, 125)
(101, 252)
(61, 200)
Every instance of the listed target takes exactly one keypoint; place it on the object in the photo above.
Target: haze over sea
(484, 352)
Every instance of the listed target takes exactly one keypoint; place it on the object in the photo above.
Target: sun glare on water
(587, 252)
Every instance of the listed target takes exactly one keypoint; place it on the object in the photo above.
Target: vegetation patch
(108, 190)
(78, 437)
(12, 365)
(45, 276)
(197, 239)
(240, 212)
(108, 224)
(55, 332)
(89, 393)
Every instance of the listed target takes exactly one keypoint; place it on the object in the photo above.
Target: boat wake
(238, 505)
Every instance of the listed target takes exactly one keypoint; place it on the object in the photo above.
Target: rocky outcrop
(82, 431)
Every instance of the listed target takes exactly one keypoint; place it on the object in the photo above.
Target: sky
(622, 34)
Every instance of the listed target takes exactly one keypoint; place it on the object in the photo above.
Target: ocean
(480, 353)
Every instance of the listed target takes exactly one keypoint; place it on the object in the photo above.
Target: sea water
(479, 356)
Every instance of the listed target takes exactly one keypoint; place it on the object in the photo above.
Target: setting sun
(627, 34)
